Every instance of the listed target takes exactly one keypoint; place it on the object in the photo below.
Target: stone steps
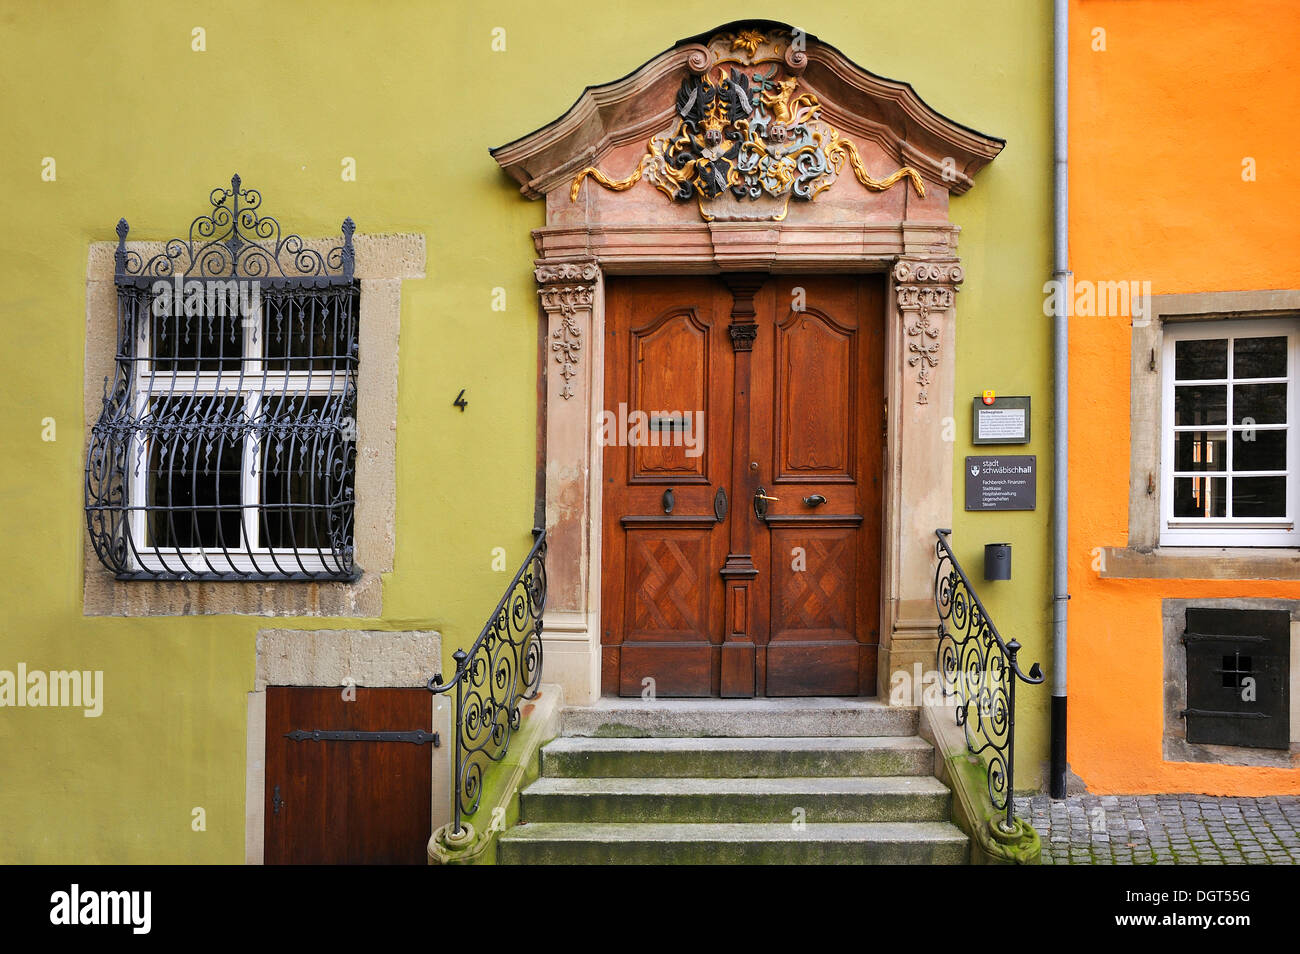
(817, 756)
(734, 844)
(720, 800)
(717, 781)
(739, 718)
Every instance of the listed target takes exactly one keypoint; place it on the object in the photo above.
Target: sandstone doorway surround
(751, 148)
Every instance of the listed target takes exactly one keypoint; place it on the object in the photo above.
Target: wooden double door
(743, 434)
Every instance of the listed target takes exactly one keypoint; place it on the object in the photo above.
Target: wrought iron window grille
(226, 445)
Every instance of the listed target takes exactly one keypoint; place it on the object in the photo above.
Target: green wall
(141, 126)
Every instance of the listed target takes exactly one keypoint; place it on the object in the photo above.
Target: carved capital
(924, 289)
(566, 272)
(562, 295)
(909, 271)
(742, 336)
(566, 299)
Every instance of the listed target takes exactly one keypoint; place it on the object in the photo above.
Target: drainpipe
(1060, 388)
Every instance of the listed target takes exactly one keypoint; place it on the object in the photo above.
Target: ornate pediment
(743, 121)
(746, 131)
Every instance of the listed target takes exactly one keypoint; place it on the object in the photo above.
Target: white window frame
(1229, 531)
(256, 382)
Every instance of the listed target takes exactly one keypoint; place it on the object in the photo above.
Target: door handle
(816, 500)
(760, 502)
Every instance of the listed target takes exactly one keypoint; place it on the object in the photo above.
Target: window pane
(1198, 450)
(310, 332)
(1206, 404)
(305, 475)
(1259, 497)
(1261, 403)
(1201, 359)
(1259, 450)
(193, 488)
(1200, 496)
(1259, 358)
(211, 341)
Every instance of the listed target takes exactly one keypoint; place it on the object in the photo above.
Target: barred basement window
(226, 448)
(1238, 674)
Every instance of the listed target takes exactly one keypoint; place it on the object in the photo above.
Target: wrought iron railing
(502, 668)
(979, 670)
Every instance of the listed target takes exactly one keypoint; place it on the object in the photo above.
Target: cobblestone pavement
(1165, 829)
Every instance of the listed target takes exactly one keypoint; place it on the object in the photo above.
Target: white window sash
(256, 385)
(1229, 531)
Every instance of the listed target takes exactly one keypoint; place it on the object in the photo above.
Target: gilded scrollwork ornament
(746, 131)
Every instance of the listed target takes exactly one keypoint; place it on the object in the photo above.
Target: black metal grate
(226, 446)
(1238, 670)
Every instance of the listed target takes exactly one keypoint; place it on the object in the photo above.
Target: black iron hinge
(414, 736)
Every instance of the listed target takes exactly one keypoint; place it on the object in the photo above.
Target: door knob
(760, 502)
(816, 500)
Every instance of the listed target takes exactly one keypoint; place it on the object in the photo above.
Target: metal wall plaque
(1005, 421)
(1002, 483)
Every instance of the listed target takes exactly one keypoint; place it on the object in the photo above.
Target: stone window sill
(1201, 563)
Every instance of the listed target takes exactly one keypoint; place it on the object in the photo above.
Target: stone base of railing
(499, 809)
(1019, 846)
(972, 810)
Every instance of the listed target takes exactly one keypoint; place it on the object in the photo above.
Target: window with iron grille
(226, 446)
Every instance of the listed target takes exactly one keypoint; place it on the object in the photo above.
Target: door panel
(813, 648)
(820, 557)
(667, 397)
(807, 404)
(670, 375)
(335, 802)
(814, 398)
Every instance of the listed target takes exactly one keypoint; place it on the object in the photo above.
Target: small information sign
(1005, 421)
(1002, 483)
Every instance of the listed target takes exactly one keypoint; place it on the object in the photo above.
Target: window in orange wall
(1231, 464)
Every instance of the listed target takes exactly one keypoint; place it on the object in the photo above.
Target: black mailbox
(997, 561)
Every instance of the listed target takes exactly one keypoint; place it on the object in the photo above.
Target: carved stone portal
(746, 130)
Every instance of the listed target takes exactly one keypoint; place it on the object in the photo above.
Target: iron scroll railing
(980, 670)
(503, 667)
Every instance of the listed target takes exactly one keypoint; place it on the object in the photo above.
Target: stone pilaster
(921, 422)
(570, 294)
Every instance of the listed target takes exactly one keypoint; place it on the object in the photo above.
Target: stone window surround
(1174, 744)
(1144, 558)
(382, 263)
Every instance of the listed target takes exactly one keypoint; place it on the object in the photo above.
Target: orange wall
(1159, 124)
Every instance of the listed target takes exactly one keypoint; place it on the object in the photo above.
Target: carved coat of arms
(745, 131)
